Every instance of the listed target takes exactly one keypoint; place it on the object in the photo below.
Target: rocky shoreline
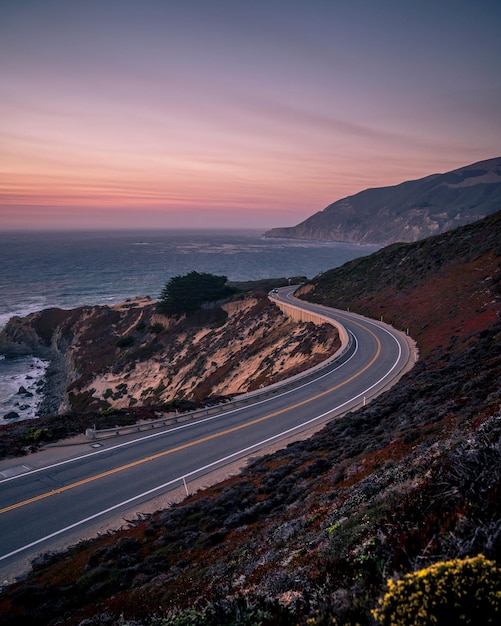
(127, 355)
(21, 401)
(54, 385)
(48, 390)
(19, 339)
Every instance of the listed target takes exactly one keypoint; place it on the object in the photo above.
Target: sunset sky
(235, 113)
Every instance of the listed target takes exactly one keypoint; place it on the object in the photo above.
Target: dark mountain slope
(312, 533)
(443, 289)
(410, 211)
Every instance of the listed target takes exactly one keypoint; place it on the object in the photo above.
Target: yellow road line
(222, 433)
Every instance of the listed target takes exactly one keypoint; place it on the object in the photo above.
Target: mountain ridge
(406, 212)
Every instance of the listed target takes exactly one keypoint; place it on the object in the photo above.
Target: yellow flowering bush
(461, 591)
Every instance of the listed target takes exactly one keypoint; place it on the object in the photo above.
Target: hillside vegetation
(312, 533)
(129, 355)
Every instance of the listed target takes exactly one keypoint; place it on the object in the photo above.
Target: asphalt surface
(55, 498)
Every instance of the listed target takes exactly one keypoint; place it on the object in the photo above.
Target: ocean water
(70, 269)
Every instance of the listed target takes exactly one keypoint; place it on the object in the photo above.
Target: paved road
(45, 508)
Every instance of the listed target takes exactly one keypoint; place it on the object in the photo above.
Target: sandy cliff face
(127, 354)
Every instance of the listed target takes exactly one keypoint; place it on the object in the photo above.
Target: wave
(21, 387)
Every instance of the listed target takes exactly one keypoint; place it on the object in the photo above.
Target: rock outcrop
(407, 212)
(311, 533)
(124, 355)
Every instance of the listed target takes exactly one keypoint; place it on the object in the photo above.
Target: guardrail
(297, 314)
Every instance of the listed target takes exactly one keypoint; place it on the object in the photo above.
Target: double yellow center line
(222, 433)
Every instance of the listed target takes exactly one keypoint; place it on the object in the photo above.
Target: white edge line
(205, 467)
(176, 428)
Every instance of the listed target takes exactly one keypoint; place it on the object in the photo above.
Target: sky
(235, 113)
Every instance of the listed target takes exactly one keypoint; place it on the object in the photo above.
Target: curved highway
(46, 508)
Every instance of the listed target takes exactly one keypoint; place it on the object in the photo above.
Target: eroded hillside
(128, 354)
(310, 534)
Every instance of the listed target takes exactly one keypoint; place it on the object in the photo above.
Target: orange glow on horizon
(249, 115)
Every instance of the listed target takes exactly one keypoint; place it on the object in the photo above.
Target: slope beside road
(47, 503)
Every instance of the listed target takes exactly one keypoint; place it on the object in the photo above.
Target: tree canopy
(186, 294)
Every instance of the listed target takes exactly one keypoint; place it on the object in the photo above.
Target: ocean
(69, 269)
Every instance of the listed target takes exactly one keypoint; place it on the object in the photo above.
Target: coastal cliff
(407, 212)
(124, 355)
(311, 533)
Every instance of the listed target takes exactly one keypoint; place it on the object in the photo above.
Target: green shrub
(156, 328)
(186, 294)
(36, 435)
(461, 591)
(125, 342)
(226, 614)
